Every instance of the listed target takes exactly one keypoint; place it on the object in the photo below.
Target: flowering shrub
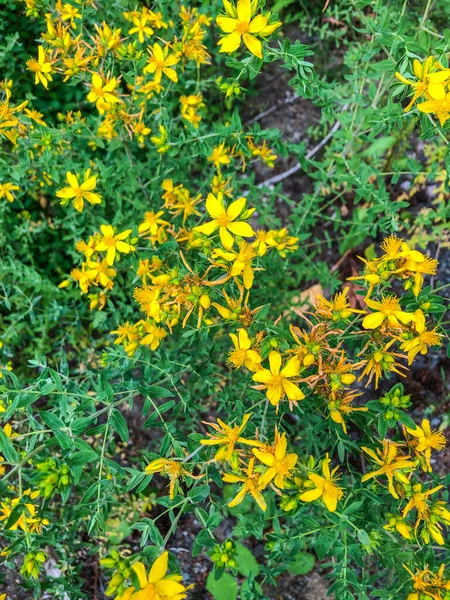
(164, 374)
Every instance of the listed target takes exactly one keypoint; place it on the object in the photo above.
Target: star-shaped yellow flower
(324, 487)
(276, 379)
(224, 219)
(79, 192)
(280, 464)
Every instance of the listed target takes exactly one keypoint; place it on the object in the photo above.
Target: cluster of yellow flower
(429, 585)
(171, 294)
(319, 360)
(398, 466)
(156, 585)
(223, 154)
(270, 464)
(431, 84)
(100, 252)
(29, 520)
(266, 464)
(15, 121)
(69, 49)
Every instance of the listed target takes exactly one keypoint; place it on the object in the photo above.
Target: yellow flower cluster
(15, 121)
(101, 252)
(317, 358)
(170, 295)
(28, 520)
(222, 154)
(395, 462)
(257, 466)
(429, 585)
(69, 49)
(156, 585)
(431, 84)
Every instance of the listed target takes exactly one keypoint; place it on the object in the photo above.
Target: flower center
(223, 220)
(237, 358)
(242, 27)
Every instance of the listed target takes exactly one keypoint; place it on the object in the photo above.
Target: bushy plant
(163, 368)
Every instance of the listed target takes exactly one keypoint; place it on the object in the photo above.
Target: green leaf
(303, 563)
(119, 425)
(406, 420)
(379, 146)
(199, 493)
(223, 588)
(156, 391)
(80, 425)
(247, 563)
(52, 421)
(14, 516)
(83, 457)
(364, 538)
(7, 449)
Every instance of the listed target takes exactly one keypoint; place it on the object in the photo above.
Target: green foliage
(90, 418)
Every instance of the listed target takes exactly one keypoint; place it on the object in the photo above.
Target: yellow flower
(160, 62)
(69, 13)
(140, 130)
(227, 437)
(389, 308)
(390, 464)
(161, 140)
(425, 82)
(35, 116)
(266, 154)
(428, 582)
(103, 94)
(113, 243)
(220, 155)
(397, 523)
(341, 405)
(276, 379)
(427, 440)
(157, 585)
(189, 107)
(422, 338)
(242, 262)
(282, 241)
(262, 240)
(100, 272)
(419, 265)
(439, 105)
(152, 221)
(224, 219)
(170, 468)
(242, 355)
(418, 501)
(241, 27)
(336, 309)
(324, 487)
(154, 335)
(280, 464)
(6, 190)
(141, 28)
(79, 192)
(380, 362)
(251, 486)
(42, 68)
